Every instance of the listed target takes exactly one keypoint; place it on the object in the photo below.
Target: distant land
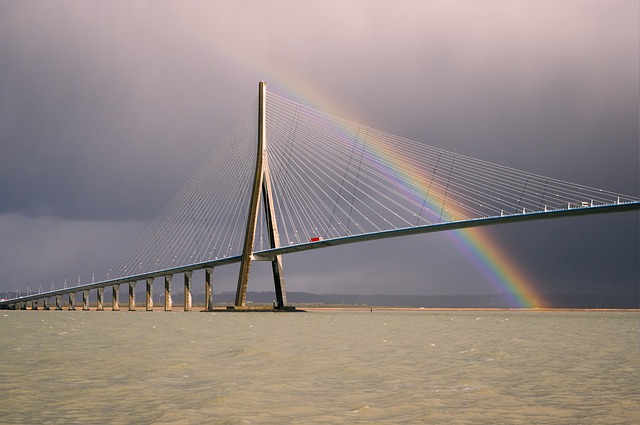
(427, 301)
(305, 299)
(441, 301)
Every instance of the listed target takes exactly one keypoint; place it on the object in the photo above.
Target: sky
(107, 108)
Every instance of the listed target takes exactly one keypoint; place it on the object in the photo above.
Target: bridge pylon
(261, 186)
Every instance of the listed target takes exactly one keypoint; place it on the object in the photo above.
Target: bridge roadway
(269, 254)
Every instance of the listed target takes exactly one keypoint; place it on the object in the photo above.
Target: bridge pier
(149, 305)
(72, 301)
(100, 302)
(23, 306)
(34, 305)
(132, 296)
(187, 290)
(208, 289)
(168, 302)
(45, 303)
(85, 300)
(115, 305)
(58, 302)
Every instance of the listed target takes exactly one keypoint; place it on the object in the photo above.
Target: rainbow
(497, 267)
(475, 243)
(489, 258)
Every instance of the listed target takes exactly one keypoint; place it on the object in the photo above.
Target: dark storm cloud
(42, 251)
(96, 109)
(106, 108)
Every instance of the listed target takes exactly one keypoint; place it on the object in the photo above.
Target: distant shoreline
(359, 308)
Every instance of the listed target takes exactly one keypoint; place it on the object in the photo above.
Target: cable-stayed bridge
(289, 178)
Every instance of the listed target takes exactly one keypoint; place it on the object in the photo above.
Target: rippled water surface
(458, 367)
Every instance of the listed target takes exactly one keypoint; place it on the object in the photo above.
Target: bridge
(290, 178)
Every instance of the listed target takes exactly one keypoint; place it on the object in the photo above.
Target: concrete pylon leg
(187, 290)
(168, 302)
(34, 305)
(132, 296)
(45, 303)
(149, 304)
(85, 300)
(58, 302)
(115, 306)
(208, 289)
(274, 238)
(100, 303)
(72, 301)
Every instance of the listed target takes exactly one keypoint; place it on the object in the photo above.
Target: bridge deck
(269, 254)
(453, 225)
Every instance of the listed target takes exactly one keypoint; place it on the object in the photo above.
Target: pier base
(261, 309)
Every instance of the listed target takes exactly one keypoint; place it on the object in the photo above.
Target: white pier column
(132, 296)
(58, 302)
(85, 300)
(208, 289)
(187, 290)
(34, 305)
(168, 302)
(115, 306)
(100, 303)
(149, 306)
(45, 303)
(72, 301)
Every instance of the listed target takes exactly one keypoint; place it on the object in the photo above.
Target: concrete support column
(132, 296)
(115, 306)
(58, 302)
(208, 289)
(149, 306)
(85, 300)
(187, 290)
(23, 306)
(72, 301)
(34, 305)
(45, 303)
(100, 303)
(168, 302)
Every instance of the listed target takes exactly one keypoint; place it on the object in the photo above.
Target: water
(457, 367)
